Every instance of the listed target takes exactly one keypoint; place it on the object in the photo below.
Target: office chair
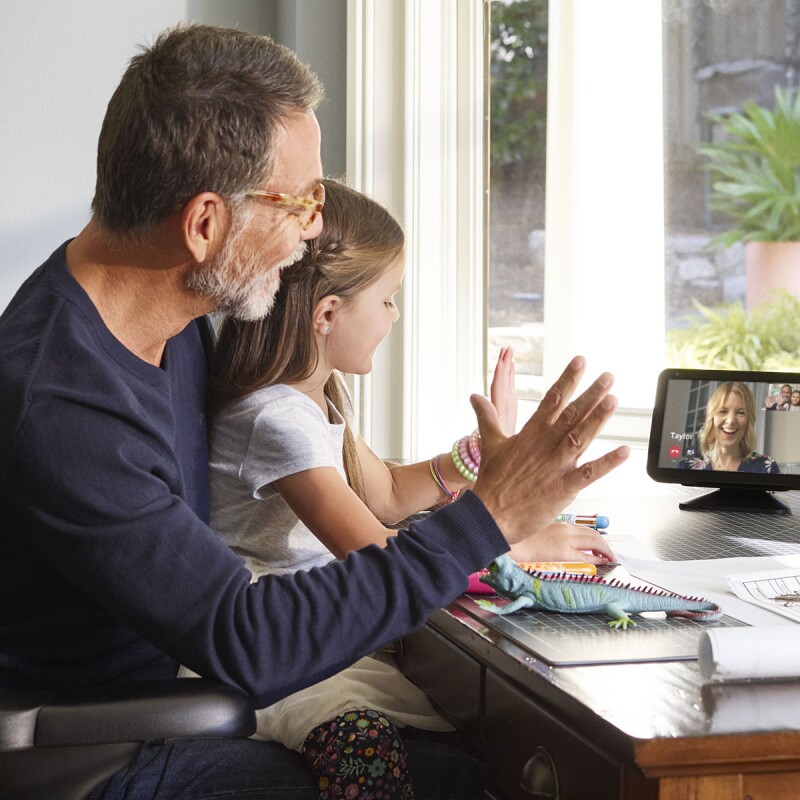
(63, 744)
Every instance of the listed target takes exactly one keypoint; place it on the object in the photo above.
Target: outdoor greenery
(756, 171)
(519, 81)
(729, 337)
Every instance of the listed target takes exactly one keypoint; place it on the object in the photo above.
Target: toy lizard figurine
(583, 594)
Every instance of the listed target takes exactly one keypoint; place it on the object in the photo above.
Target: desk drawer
(523, 741)
(450, 677)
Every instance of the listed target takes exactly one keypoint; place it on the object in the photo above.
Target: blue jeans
(246, 769)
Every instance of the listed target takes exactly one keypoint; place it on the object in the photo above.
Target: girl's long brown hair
(359, 241)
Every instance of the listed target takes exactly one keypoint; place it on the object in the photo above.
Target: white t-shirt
(267, 435)
(271, 433)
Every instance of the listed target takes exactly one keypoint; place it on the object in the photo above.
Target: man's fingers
(580, 408)
(527, 479)
(565, 416)
(587, 473)
(488, 422)
(558, 395)
(579, 436)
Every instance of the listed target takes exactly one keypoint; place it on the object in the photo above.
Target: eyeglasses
(308, 207)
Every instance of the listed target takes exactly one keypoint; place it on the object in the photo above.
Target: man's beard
(235, 280)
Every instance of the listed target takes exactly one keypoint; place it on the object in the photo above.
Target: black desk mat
(583, 639)
(694, 535)
(672, 535)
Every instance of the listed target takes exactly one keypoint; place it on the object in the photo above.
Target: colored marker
(579, 568)
(596, 521)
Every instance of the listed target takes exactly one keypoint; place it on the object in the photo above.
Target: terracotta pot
(770, 266)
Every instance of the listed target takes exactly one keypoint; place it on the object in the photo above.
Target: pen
(559, 566)
(596, 521)
(787, 599)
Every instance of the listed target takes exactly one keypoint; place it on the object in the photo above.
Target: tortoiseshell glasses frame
(308, 206)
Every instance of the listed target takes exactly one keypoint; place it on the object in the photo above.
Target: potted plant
(730, 337)
(755, 170)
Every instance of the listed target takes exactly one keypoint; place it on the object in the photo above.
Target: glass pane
(732, 178)
(517, 136)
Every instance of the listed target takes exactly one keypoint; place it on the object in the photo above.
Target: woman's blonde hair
(708, 438)
(360, 240)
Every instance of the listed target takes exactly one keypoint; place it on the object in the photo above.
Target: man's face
(243, 276)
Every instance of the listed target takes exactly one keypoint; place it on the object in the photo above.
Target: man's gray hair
(195, 112)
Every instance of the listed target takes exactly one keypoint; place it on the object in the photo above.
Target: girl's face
(730, 422)
(796, 398)
(364, 322)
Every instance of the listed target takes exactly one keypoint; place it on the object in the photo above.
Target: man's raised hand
(526, 480)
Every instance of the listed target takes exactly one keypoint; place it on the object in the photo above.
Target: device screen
(749, 427)
(718, 428)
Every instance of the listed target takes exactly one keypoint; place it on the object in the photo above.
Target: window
(625, 273)
(517, 172)
(721, 310)
(415, 142)
(603, 259)
(416, 76)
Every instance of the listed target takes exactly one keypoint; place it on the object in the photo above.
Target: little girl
(293, 487)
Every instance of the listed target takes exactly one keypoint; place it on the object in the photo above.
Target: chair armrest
(168, 709)
(162, 709)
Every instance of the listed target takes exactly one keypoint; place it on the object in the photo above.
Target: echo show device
(736, 432)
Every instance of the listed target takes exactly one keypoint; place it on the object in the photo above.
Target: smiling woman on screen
(729, 433)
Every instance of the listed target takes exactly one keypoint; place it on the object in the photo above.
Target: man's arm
(129, 552)
(154, 567)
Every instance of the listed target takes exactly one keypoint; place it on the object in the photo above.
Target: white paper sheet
(769, 645)
(761, 589)
(709, 579)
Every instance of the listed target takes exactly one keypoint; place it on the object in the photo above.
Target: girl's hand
(561, 542)
(503, 391)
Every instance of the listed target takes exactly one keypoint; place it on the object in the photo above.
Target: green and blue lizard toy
(583, 594)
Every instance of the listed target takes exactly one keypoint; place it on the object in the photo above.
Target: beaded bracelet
(474, 446)
(466, 457)
(436, 474)
(470, 475)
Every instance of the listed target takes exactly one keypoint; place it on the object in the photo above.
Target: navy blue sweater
(109, 571)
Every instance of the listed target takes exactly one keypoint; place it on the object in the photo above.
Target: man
(783, 402)
(208, 181)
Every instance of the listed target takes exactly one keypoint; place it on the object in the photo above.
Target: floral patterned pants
(359, 754)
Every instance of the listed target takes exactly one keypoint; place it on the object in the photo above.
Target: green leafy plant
(519, 81)
(756, 171)
(729, 337)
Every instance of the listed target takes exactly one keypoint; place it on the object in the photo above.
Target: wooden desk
(639, 730)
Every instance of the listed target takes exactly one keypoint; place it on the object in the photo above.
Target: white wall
(317, 31)
(60, 61)
(59, 64)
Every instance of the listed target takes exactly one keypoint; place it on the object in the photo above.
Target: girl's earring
(327, 329)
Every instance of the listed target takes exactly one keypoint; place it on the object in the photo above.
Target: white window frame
(415, 143)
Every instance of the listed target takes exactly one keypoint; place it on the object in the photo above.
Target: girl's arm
(333, 512)
(394, 492)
